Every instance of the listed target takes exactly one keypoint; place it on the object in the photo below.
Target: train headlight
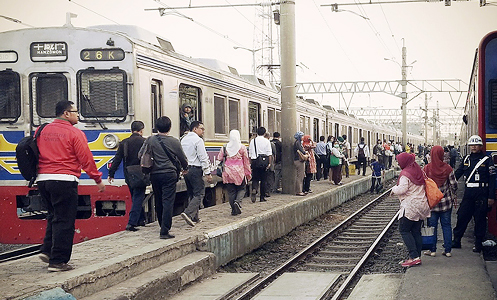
(111, 141)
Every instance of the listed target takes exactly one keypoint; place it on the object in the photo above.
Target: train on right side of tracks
(480, 111)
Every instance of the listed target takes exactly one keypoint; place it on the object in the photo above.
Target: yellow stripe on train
(491, 146)
(9, 163)
(491, 135)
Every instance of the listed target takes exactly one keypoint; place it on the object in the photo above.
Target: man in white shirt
(261, 154)
(198, 166)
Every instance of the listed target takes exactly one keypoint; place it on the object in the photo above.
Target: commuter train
(115, 75)
(480, 112)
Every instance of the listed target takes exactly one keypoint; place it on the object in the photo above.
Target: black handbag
(135, 177)
(262, 161)
(220, 166)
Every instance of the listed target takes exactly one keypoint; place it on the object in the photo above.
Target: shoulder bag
(261, 161)
(146, 159)
(135, 176)
(334, 161)
(433, 193)
(428, 236)
(220, 166)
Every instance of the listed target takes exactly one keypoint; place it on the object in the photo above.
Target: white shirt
(194, 149)
(366, 150)
(263, 147)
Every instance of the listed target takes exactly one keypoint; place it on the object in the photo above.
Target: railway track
(342, 250)
(19, 253)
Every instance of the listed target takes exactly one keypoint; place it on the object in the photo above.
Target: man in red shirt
(64, 152)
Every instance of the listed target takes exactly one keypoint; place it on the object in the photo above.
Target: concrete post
(288, 93)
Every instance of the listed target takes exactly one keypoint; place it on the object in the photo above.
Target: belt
(190, 166)
(476, 184)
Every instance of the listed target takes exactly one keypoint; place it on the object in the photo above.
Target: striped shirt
(449, 190)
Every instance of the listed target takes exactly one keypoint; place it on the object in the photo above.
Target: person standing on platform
(321, 159)
(270, 171)
(377, 173)
(414, 207)
(198, 167)
(277, 162)
(453, 156)
(128, 149)
(236, 172)
(310, 164)
(299, 163)
(346, 154)
(362, 154)
(444, 177)
(260, 146)
(168, 158)
(335, 165)
(378, 151)
(64, 152)
(479, 192)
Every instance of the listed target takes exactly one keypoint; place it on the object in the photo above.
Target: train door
(278, 121)
(156, 102)
(271, 119)
(46, 89)
(190, 96)
(254, 118)
(337, 129)
(315, 124)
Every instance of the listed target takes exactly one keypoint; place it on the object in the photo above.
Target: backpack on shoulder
(27, 156)
(360, 153)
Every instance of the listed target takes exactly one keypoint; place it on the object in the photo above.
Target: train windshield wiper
(94, 111)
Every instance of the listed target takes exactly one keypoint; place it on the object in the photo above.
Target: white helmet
(475, 140)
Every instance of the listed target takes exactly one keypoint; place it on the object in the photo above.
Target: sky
(330, 46)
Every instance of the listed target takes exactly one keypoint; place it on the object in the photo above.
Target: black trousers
(361, 162)
(164, 186)
(472, 207)
(322, 167)
(61, 200)
(259, 178)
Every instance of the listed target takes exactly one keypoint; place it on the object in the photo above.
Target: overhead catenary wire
(98, 14)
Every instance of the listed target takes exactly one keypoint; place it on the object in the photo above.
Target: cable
(16, 21)
(94, 12)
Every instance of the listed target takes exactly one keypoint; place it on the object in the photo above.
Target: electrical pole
(403, 83)
(288, 94)
(426, 119)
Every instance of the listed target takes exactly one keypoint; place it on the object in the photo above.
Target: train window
(254, 118)
(316, 130)
(271, 119)
(191, 95)
(156, 101)
(46, 90)
(234, 107)
(220, 118)
(10, 96)
(302, 124)
(493, 102)
(102, 93)
(337, 129)
(278, 121)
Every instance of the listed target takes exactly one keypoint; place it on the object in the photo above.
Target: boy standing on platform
(378, 172)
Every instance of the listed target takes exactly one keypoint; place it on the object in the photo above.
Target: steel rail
(20, 253)
(254, 289)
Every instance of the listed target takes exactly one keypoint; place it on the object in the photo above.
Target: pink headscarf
(410, 168)
(437, 169)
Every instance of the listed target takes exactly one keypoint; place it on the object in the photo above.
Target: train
(116, 74)
(480, 111)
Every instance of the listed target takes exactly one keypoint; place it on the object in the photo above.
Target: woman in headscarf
(310, 165)
(299, 163)
(444, 177)
(414, 207)
(236, 172)
(335, 164)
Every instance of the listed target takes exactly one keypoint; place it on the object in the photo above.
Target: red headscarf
(437, 169)
(410, 169)
(306, 140)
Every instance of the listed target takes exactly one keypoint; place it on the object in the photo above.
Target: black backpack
(27, 155)
(360, 153)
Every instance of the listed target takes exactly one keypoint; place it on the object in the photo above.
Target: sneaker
(447, 254)
(411, 262)
(187, 219)
(429, 253)
(252, 196)
(131, 228)
(166, 236)
(456, 244)
(59, 267)
(44, 257)
(237, 209)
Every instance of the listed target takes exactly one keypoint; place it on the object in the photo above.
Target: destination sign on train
(48, 51)
(8, 56)
(102, 54)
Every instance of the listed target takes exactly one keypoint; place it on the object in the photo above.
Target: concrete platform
(113, 265)
(377, 287)
(299, 286)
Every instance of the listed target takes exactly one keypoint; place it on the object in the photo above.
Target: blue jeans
(445, 222)
(411, 234)
(136, 214)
